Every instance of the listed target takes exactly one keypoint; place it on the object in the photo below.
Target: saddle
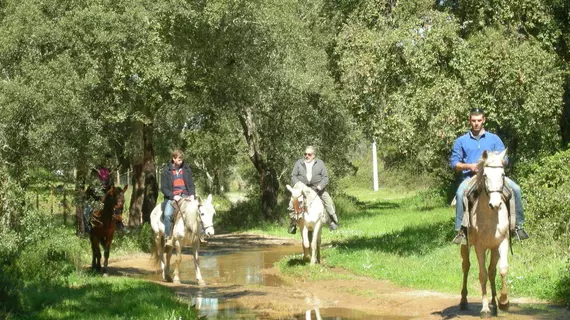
(471, 198)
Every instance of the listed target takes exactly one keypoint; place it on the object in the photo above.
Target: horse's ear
(125, 189)
(485, 155)
(209, 200)
(504, 153)
(289, 188)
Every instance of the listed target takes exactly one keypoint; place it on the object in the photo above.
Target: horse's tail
(154, 258)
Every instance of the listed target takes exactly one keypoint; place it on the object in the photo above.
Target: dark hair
(476, 111)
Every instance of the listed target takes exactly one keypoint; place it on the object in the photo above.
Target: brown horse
(104, 225)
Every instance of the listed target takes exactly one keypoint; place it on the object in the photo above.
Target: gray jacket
(319, 178)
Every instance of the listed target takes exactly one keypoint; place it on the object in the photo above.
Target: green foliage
(51, 260)
(410, 74)
(546, 183)
(137, 239)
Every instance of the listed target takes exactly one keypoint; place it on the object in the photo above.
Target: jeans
(459, 210)
(168, 212)
(87, 211)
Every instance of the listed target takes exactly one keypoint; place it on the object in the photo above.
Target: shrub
(51, 260)
(546, 184)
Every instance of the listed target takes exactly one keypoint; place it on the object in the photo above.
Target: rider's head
(309, 153)
(177, 157)
(477, 120)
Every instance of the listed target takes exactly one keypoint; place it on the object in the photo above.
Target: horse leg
(485, 311)
(465, 265)
(306, 244)
(96, 261)
(315, 255)
(319, 245)
(168, 252)
(503, 269)
(177, 261)
(195, 251)
(107, 250)
(313, 241)
(492, 278)
(159, 252)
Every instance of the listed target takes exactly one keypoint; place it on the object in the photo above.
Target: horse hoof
(486, 315)
(463, 306)
(201, 282)
(105, 274)
(168, 279)
(504, 307)
(176, 280)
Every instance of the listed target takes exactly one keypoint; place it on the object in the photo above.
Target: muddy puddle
(242, 283)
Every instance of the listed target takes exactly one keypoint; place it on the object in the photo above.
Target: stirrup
(520, 233)
(459, 238)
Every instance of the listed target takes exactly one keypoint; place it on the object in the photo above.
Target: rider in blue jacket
(467, 150)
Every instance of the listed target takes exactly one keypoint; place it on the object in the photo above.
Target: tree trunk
(137, 197)
(150, 181)
(81, 176)
(268, 183)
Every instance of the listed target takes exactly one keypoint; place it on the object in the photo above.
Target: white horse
(310, 219)
(193, 217)
(488, 230)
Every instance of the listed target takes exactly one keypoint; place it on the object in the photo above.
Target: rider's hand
(473, 167)
(177, 198)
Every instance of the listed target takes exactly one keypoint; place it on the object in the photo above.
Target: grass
(94, 297)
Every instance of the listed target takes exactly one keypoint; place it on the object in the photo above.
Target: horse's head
(206, 211)
(492, 175)
(119, 200)
(296, 195)
(114, 200)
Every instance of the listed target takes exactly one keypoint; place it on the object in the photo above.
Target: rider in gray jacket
(313, 173)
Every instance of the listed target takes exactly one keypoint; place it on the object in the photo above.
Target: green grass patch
(94, 297)
(296, 267)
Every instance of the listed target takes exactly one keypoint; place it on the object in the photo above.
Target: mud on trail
(242, 283)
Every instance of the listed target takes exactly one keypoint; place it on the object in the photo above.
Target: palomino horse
(104, 225)
(488, 230)
(193, 216)
(310, 219)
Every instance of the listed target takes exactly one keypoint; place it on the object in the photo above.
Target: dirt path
(227, 296)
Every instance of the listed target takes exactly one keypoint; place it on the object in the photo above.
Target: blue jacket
(467, 149)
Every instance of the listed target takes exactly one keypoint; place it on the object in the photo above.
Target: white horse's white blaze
(311, 221)
(489, 230)
(194, 216)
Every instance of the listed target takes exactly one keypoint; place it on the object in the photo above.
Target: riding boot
(333, 225)
(292, 226)
(460, 237)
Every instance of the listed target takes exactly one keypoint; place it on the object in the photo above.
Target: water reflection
(343, 314)
(239, 267)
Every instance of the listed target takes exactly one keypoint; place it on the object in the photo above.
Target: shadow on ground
(413, 240)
